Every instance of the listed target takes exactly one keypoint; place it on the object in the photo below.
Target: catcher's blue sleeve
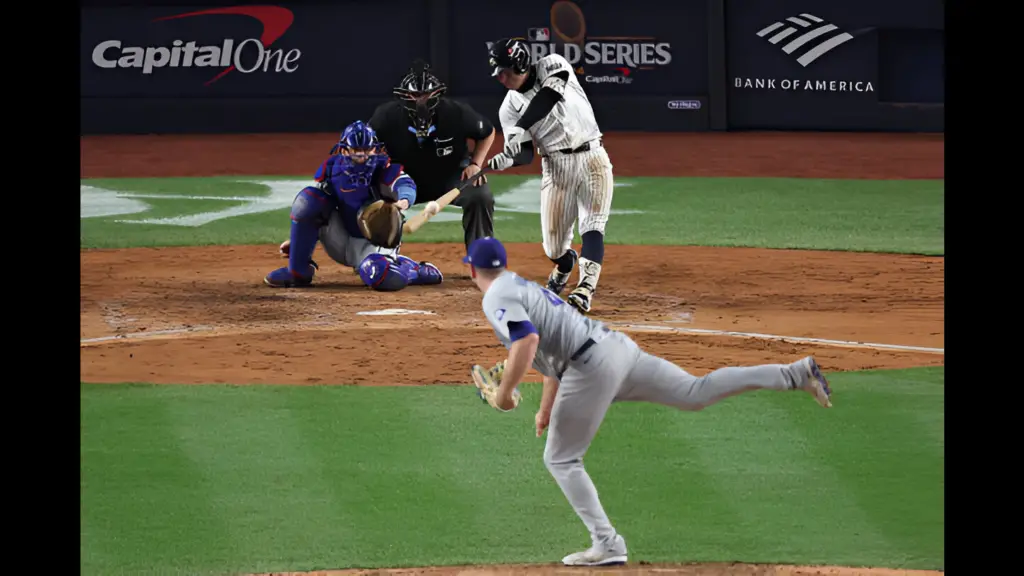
(393, 175)
(323, 172)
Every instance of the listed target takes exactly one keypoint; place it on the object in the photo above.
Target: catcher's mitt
(487, 382)
(381, 223)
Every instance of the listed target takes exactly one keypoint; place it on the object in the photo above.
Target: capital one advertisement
(249, 50)
(798, 62)
(617, 48)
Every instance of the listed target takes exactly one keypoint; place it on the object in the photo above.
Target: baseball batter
(587, 367)
(356, 174)
(546, 111)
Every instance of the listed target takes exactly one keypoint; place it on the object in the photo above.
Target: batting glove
(500, 162)
(514, 141)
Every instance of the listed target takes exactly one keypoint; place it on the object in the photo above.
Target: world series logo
(619, 56)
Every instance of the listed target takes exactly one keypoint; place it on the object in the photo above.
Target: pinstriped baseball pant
(574, 186)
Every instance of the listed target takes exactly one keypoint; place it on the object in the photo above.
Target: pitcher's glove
(487, 382)
(381, 223)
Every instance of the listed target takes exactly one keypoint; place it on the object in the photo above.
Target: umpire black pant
(476, 202)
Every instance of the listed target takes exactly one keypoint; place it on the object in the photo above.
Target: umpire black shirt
(435, 165)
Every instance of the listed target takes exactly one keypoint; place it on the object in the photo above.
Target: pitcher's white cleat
(602, 554)
(817, 385)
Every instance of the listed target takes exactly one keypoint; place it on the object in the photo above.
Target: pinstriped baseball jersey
(562, 330)
(570, 123)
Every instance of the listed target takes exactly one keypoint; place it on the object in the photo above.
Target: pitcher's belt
(590, 342)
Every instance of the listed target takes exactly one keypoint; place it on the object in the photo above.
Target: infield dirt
(203, 315)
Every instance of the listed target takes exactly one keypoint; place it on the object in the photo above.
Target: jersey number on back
(551, 296)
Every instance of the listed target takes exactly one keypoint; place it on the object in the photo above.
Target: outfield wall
(648, 65)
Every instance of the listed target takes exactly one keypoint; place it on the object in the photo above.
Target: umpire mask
(422, 118)
(420, 92)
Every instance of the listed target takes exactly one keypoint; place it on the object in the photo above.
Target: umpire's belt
(593, 144)
(590, 342)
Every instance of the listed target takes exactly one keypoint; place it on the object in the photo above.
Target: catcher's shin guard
(308, 213)
(285, 249)
(428, 274)
(420, 273)
(383, 273)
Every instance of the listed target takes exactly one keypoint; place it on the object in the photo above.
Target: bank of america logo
(780, 31)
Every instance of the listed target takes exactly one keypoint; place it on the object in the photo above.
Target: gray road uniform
(597, 366)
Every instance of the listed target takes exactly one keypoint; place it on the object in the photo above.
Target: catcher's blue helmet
(360, 150)
(358, 135)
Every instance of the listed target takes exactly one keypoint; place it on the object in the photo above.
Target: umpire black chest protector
(435, 164)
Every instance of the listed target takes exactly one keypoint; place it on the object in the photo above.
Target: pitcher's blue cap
(486, 252)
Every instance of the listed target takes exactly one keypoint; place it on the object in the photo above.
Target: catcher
(355, 211)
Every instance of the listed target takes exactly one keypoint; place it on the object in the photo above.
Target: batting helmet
(420, 92)
(510, 53)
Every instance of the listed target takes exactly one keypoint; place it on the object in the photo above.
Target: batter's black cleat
(580, 298)
(557, 280)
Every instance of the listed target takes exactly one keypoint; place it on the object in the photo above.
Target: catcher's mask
(420, 92)
(360, 148)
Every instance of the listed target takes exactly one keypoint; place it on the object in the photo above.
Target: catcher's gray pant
(617, 370)
(343, 248)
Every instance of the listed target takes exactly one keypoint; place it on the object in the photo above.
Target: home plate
(394, 312)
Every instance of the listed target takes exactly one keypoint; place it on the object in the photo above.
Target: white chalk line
(193, 197)
(395, 312)
(624, 326)
(776, 337)
(144, 335)
(236, 330)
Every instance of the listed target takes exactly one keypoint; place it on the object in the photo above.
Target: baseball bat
(413, 224)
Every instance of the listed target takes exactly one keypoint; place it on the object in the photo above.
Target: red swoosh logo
(625, 71)
(274, 19)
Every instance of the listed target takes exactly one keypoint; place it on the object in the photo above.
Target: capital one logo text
(247, 56)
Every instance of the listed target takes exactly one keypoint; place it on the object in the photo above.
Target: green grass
(215, 479)
(862, 215)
